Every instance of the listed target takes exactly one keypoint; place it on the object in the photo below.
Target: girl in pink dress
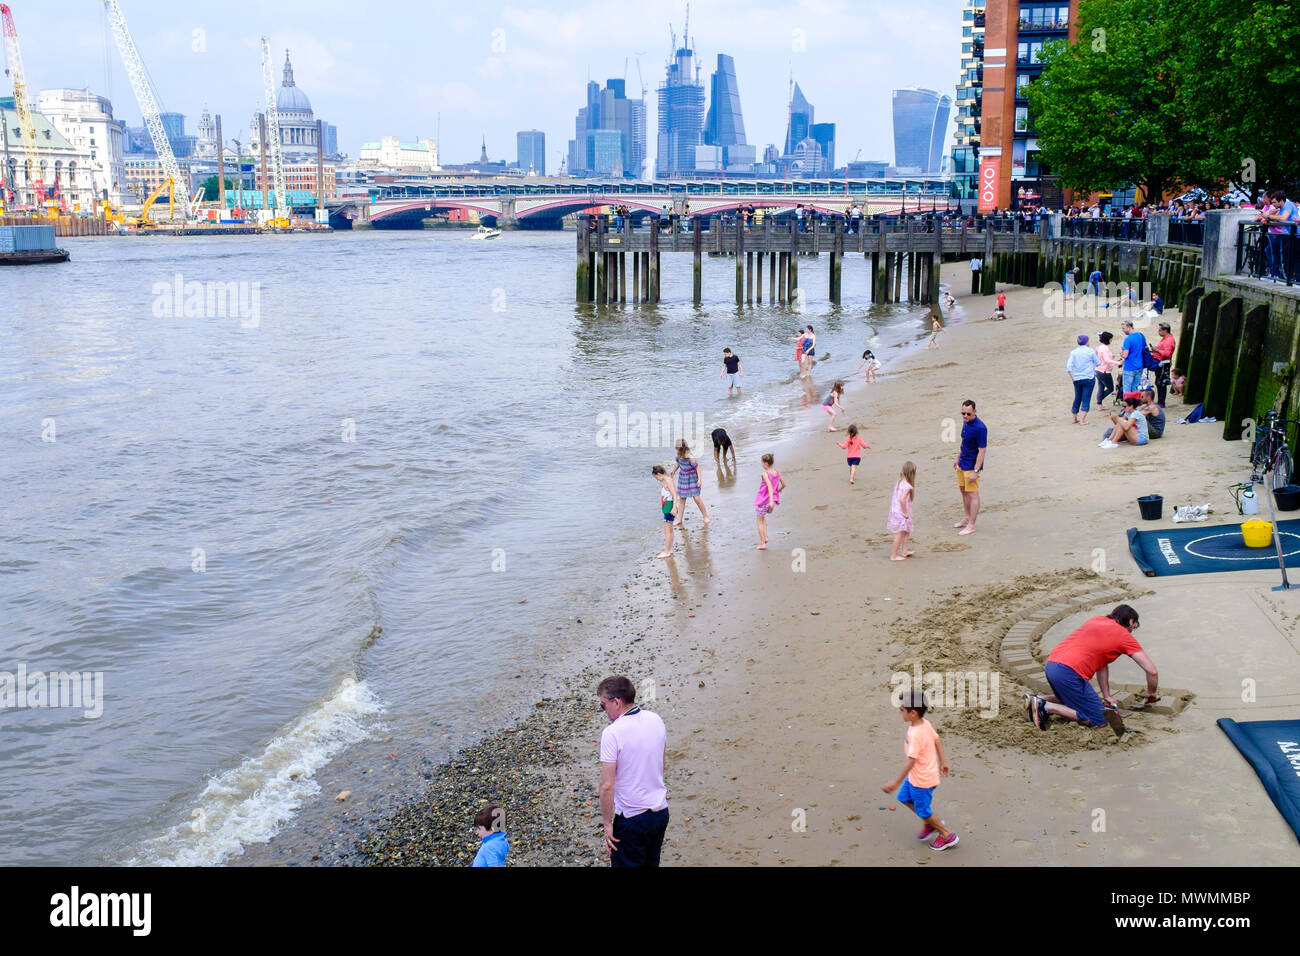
(770, 486)
(900, 513)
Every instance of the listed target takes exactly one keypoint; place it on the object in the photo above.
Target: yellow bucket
(1256, 533)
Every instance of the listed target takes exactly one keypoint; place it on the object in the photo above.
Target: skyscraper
(532, 151)
(920, 127)
(608, 110)
(824, 134)
(724, 125)
(681, 114)
(801, 120)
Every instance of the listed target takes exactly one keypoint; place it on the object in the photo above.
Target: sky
(490, 69)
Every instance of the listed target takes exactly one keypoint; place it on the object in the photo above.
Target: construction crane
(273, 131)
(148, 102)
(27, 127)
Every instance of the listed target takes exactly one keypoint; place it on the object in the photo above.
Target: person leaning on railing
(1278, 209)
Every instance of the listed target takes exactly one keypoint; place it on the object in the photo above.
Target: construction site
(171, 208)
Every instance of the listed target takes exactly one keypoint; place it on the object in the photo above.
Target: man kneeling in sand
(1086, 653)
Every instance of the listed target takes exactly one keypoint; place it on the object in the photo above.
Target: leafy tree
(1242, 76)
(210, 186)
(1108, 108)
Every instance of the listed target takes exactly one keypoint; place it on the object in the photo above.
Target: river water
(356, 496)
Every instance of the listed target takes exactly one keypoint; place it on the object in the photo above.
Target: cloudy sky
(387, 67)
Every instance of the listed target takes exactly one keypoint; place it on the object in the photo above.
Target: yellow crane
(28, 127)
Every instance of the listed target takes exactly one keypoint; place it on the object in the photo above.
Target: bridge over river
(542, 204)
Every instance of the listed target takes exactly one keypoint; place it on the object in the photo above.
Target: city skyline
(503, 69)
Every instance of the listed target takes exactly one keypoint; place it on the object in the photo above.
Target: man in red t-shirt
(1087, 652)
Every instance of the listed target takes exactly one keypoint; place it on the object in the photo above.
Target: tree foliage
(210, 186)
(1170, 93)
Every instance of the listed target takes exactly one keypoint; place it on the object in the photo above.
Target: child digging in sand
(920, 776)
(669, 504)
(770, 486)
(900, 512)
(853, 446)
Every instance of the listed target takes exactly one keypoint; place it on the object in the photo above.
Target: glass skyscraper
(532, 151)
(920, 127)
(608, 110)
(724, 125)
(681, 115)
(801, 120)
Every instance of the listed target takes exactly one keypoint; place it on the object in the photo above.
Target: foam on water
(249, 803)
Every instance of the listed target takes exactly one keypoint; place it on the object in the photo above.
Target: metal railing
(1187, 232)
(1269, 251)
(1108, 227)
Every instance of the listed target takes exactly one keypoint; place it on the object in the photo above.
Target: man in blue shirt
(1135, 344)
(969, 464)
(490, 825)
(1094, 281)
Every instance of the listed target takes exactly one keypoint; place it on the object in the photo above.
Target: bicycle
(1270, 453)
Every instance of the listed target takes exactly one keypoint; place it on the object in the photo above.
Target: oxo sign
(989, 183)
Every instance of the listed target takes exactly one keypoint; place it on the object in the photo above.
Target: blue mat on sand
(1273, 749)
(1197, 548)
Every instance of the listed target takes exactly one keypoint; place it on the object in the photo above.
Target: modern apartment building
(996, 160)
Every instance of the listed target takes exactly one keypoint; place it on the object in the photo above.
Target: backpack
(1149, 359)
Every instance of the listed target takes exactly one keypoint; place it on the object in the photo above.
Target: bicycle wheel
(1282, 467)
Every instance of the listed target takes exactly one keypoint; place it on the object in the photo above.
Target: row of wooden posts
(602, 265)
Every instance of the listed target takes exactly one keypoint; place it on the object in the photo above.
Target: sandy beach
(772, 670)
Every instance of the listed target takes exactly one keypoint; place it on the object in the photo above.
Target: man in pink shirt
(1164, 351)
(633, 798)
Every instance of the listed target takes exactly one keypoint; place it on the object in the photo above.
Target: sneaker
(926, 833)
(1038, 713)
(945, 843)
(1108, 444)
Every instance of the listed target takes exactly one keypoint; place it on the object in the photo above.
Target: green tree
(1108, 108)
(210, 186)
(1242, 77)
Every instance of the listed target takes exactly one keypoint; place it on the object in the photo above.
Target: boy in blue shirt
(490, 825)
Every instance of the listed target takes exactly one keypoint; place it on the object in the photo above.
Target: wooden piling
(749, 278)
(792, 284)
(784, 272)
(758, 283)
(837, 264)
(636, 277)
(622, 277)
(583, 274)
(740, 262)
(697, 276)
(652, 268)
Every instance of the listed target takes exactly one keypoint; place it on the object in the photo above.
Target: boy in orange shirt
(920, 776)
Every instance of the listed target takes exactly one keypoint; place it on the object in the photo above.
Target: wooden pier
(892, 247)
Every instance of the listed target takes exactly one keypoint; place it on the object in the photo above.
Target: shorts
(717, 445)
(733, 380)
(829, 409)
(967, 486)
(855, 461)
(1075, 692)
(810, 353)
(668, 516)
(920, 798)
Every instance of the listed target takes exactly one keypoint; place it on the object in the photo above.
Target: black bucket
(1151, 506)
(1287, 498)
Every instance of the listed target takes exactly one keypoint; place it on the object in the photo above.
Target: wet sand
(772, 670)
